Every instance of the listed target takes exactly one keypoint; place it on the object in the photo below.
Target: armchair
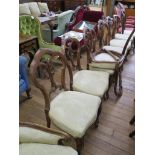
(29, 25)
(71, 111)
(83, 13)
(40, 140)
(63, 18)
(23, 79)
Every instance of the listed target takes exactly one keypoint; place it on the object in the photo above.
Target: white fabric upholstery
(30, 135)
(33, 6)
(106, 65)
(122, 36)
(44, 149)
(113, 48)
(91, 82)
(43, 7)
(110, 71)
(74, 112)
(119, 43)
(24, 9)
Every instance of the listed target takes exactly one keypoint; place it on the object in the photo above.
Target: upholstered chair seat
(91, 82)
(39, 140)
(116, 49)
(66, 108)
(123, 36)
(44, 149)
(119, 43)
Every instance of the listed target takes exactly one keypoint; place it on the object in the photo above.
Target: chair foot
(79, 144)
(132, 134)
(28, 93)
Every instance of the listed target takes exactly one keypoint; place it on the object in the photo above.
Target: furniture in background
(83, 13)
(29, 45)
(29, 25)
(62, 19)
(81, 105)
(23, 78)
(40, 140)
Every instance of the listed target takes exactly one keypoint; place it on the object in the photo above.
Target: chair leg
(132, 134)
(79, 144)
(132, 121)
(28, 93)
(118, 90)
(98, 114)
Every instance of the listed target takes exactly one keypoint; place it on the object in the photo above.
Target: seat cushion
(116, 49)
(31, 135)
(110, 71)
(74, 112)
(43, 7)
(91, 82)
(45, 149)
(119, 43)
(33, 6)
(24, 9)
(111, 64)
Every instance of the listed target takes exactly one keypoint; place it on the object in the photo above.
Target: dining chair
(71, 111)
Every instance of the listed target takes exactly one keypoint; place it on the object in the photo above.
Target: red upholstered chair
(83, 13)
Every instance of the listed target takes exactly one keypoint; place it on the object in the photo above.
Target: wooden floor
(111, 137)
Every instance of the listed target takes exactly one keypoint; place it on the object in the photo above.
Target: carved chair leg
(132, 121)
(79, 144)
(118, 90)
(28, 93)
(48, 120)
(132, 134)
(98, 114)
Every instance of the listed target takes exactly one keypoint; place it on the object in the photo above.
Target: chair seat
(74, 112)
(119, 43)
(91, 82)
(45, 149)
(122, 36)
(111, 64)
(110, 71)
(116, 49)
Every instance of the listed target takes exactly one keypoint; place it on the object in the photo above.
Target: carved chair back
(36, 63)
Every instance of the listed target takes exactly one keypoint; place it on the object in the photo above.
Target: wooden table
(28, 44)
(50, 20)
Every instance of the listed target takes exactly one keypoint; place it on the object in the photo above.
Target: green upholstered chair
(63, 18)
(29, 25)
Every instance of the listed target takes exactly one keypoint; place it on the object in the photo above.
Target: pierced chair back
(36, 63)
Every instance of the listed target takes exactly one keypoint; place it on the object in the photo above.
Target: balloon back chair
(40, 140)
(71, 111)
(109, 61)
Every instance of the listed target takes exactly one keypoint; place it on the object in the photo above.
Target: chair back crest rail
(37, 62)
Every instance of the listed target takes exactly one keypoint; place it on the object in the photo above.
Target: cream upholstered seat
(74, 112)
(116, 49)
(104, 62)
(45, 149)
(38, 140)
(119, 43)
(91, 82)
(122, 36)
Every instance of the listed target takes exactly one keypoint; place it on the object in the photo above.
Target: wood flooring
(111, 137)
